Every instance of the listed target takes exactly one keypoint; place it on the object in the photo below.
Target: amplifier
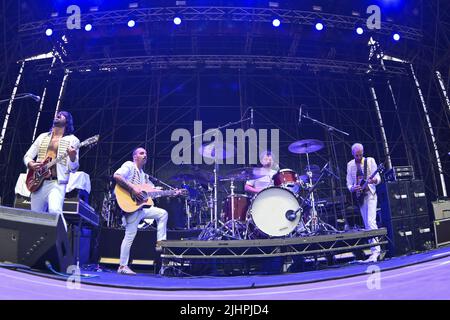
(441, 209)
(442, 232)
(400, 173)
(74, 208)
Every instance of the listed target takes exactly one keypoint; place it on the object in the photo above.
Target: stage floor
(418, 276)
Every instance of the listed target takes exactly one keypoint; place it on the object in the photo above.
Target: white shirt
(263, 182)
(130, 172)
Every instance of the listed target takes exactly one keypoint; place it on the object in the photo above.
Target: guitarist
(361, 168)
(59, 140)
(130, 175)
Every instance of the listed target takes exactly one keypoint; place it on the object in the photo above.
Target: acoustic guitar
(129, 204)
(35, 178)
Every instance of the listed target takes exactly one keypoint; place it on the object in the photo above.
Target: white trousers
(369, 215)
(131, 227)
(50, 197)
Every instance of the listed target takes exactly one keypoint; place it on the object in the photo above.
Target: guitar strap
(365, 169)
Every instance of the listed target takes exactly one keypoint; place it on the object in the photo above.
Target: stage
(417, 276)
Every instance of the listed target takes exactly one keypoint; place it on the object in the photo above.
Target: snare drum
(275, 211)
(287, 178)
(240, 202)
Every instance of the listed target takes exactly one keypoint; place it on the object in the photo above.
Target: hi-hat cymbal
(211, 151)
(243, 174)
(305, 146)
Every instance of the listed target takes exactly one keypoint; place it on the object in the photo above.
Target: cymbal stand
(315, 224)
(216, 180)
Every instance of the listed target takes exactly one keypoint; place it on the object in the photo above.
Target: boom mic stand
(208, 233)
(334, 163)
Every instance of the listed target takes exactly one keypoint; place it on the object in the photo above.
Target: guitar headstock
(90, 141)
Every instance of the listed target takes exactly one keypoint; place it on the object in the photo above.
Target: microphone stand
(17, 97)
(161, 182)
(330, 129)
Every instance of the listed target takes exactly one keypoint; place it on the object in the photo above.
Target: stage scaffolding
(139, 100)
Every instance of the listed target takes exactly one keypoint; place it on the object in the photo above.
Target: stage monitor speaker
(442, 232)
(31, 238)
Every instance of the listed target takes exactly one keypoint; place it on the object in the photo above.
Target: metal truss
(190, 62)
(295, 17)
(267, 248)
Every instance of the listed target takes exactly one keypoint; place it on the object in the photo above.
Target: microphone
(34, 97)
(251, 117)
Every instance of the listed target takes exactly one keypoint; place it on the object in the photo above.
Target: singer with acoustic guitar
(133, 192)
(49, 194)
(365, 168)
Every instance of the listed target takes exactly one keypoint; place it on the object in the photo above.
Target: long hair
(69, 129)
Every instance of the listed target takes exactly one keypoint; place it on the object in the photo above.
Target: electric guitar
(129, 204)
(35, 178)
(360, 194)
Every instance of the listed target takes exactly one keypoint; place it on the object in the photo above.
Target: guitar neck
(162, 193)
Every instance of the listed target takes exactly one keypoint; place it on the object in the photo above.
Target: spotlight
(359, 30)
(131, 23)
(319, 26)
(177, 20)
(276, 22)
(396, 36)
(88, 27)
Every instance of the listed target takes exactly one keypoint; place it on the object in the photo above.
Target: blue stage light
(396, 36)
(49, 32)
(359, 30)
(276, 22)
(88, 27)
(131, 23)
(177, 20)
(319, 26)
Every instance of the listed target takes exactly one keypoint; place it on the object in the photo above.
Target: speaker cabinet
(393, 198)
(31, 238)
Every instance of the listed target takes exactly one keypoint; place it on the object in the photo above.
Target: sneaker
(126, 270)
(374, 257)
(158, 247)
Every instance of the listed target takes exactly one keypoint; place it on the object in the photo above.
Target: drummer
(267, 171)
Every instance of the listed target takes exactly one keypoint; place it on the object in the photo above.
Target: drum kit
(286, 208)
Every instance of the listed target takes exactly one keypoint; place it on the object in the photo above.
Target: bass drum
(272, 212)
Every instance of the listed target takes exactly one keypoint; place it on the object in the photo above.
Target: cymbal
(186, 177)
(312, 168)
(211, 152)
(305, 146)
(244, 174)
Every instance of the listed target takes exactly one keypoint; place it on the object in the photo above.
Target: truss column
(431, 132)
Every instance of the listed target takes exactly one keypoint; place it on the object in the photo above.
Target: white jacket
(63, 168)
(371, 168)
